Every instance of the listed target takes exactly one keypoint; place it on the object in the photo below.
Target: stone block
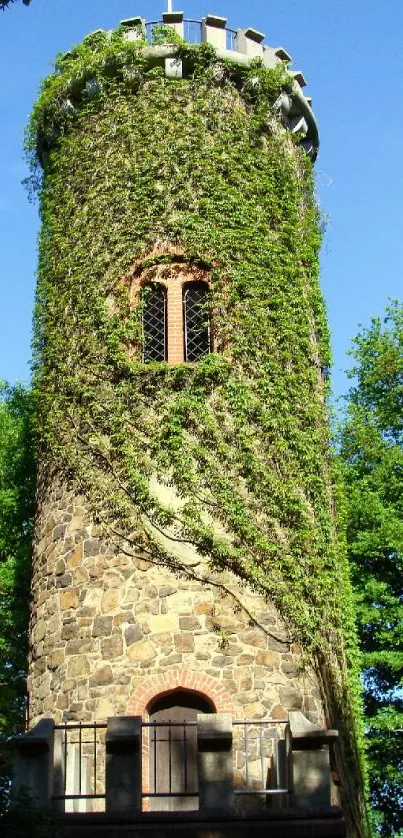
(184, 642)
(33, 763)
(255, 710)
(75, 558)
(291, 697)
(78, 667)
(55, 659)
(253, 638)
(112, 647)
(110, 601)
(213, 31)
(102, 626)
(123, 764)
(162, 623)
(68, 599)
(267, 658)
(311, 781)
(203, 608)
(214, 753)
(92, 547)
(141, 651)
(133, 634)
(189, 624)
(167, 590)
(102, 677)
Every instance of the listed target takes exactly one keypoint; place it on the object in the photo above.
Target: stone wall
(109, 631)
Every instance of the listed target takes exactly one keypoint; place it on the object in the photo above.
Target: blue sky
(350, 52)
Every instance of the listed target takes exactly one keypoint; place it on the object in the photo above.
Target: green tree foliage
(5, 3)
(372, 450)
(17, 500)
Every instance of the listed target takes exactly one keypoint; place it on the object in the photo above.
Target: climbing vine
(138, 167)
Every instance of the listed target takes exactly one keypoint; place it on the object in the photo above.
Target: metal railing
(231, 39)
(262, 756)
(79, 764)
(172, 760)
(261, 751)
(192, 32)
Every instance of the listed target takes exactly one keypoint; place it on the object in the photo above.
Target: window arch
(196, 322)
(154, 322)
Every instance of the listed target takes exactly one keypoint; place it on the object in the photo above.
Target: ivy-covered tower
(186, 547)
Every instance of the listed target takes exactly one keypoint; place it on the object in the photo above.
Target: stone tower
(185, 549)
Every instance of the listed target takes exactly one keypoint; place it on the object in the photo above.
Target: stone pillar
(123, 764)
(213, 31)
(33, 767)
(135, 28)
(249, 42)
(214, 756)
(174, 19)
(311, 779)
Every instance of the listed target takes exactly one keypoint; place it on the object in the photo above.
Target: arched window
(196, 325)
(154, 321)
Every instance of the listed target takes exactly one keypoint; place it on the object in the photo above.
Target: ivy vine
(132, 161)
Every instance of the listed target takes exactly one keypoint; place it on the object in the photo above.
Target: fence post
(33, 764)
(310, 762)
(214, 755)
(123, 764)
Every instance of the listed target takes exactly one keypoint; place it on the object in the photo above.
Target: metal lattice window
(154, 323)
(196, 321)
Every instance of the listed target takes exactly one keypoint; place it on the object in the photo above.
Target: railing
(192, 32)
(231, 39)
(172, 763)
(80, 765)
(262, 754)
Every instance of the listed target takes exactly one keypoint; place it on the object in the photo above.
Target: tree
(372, 452)
(5, 3)
(17, 503)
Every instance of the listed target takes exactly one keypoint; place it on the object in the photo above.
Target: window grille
(154, 323)
(196, 321)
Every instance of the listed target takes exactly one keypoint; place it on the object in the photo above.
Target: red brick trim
(173, 276)
(160, 685)
(198, 682)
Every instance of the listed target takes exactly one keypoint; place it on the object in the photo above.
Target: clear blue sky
(350, 52)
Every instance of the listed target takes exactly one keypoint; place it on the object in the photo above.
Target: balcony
(132, 778)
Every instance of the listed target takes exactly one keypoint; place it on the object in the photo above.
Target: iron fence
(172, 763)
(192, 32)
(230, 39)
(262, 752)
(261, 755)
(79, 765)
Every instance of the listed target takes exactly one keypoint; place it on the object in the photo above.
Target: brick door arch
(158, 686)
(198, 682)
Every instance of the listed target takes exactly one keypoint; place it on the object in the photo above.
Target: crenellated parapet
(163, 44)
(241, 46)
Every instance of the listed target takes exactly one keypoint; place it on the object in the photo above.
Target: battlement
(241, 46)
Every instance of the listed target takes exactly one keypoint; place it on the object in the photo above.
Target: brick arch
(159, 685)
(170, 268)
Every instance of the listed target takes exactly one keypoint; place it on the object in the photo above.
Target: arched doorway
(173, 780)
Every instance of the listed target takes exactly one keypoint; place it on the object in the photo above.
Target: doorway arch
(172, 748)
